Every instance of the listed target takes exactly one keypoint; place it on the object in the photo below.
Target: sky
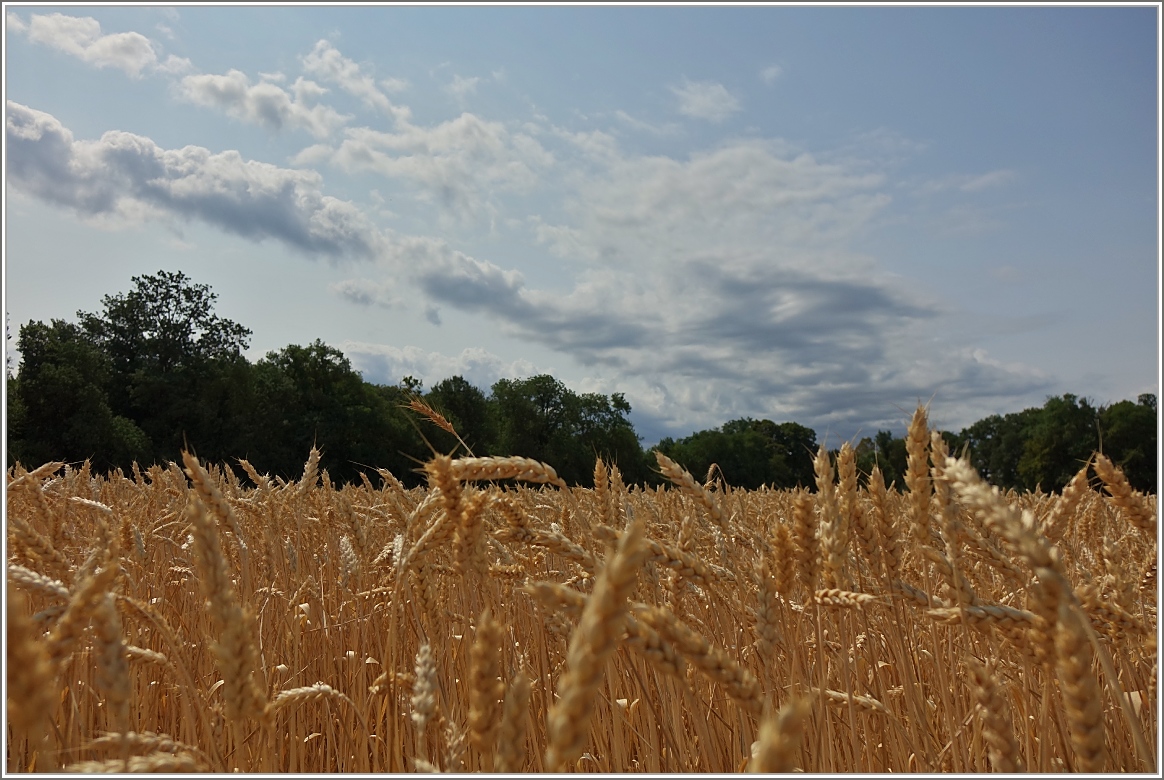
(813, 214)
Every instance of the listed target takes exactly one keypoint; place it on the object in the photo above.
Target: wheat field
(497, 620)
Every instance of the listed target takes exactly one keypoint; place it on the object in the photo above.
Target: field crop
(500, 621)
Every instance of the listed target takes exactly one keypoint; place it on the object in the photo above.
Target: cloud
(126, 178)
(265, 104)
(175, 66)
(987, 180)
(769, 74)
(967, 182)
(325, 62)
(461, 87)
(394, 84)
(81, 37)
(667, 129)
(458, 164)
(15, 23)
(706, 100)
(365, 292)
(384, 364)
(724, 286)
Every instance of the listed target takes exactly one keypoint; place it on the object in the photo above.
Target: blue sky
(817, 214)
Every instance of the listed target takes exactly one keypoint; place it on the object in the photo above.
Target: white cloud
(325, 62)
(394, 84)
(666, 129)
(386, 364)
(81, 37)
(721, 286)
(457, 164)
(987, 180)
(15, 23)
(126, 178)
(968, 182)
(175, 66)
(265, 104)
(706, 100)
(769, 74)
(461, 87)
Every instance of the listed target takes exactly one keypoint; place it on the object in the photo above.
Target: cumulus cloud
(265, 103)
(326, 63)
(128, 177)
(384, 364)
(722, 286)
(81, 37)
(708, 100)
(15, 23)
(457, 164)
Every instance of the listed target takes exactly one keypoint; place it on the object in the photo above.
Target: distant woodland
(156, 371)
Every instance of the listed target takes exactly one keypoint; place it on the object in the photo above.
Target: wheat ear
(779, 743)
(511, 737)
(486, 688)
(591, 645)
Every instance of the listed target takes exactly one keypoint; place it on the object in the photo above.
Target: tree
(164, 323)
(177, 369)
(1129, 438)
(892, 457)
(541, 418)
(312, 396)
(63, 402)
(996, 446)
(749, 452)
(467, 409)
(1059, 439)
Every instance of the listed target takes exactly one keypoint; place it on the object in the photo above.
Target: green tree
(63, 403)
(996, 445)
(177, 368)
(541, 418)
(1059, 440)
(312, 396)
(1129, 439)
(749, 452)
(892, 457)
(467, 409)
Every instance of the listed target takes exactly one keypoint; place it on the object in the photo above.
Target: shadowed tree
(1129, 439)
(63, 409)
(177, 368)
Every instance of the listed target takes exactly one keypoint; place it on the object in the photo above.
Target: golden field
(497, 620)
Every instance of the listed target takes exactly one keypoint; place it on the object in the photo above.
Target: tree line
(156, 371)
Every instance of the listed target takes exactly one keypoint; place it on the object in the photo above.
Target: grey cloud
(365, 292)
(122, 175)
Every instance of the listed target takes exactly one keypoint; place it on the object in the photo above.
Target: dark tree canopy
(749, 453)
(63, 402)
(166, 322)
